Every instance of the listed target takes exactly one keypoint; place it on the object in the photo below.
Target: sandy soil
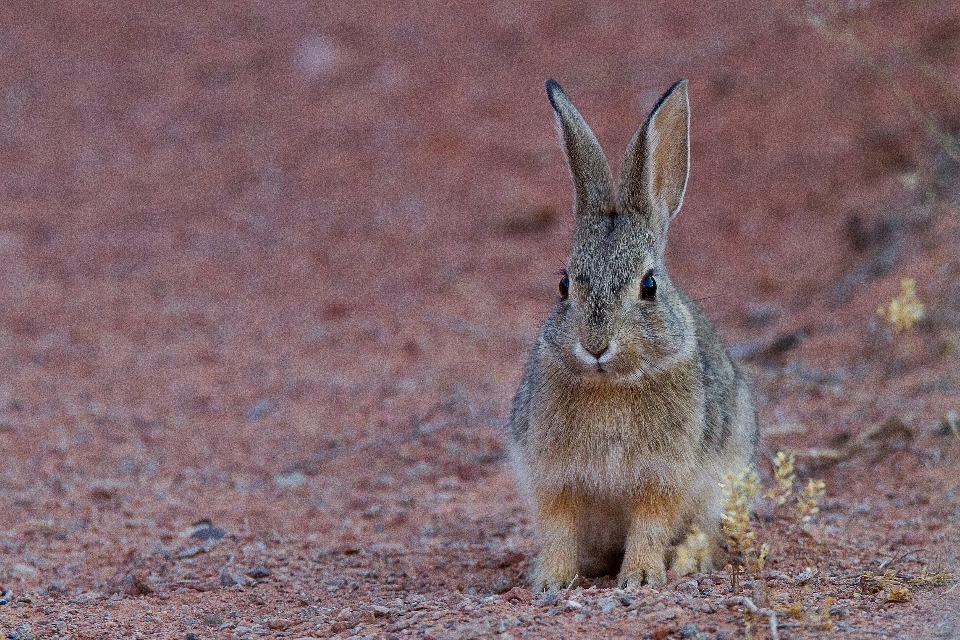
(270, 271)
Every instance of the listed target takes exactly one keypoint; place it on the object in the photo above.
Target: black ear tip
(553, 88)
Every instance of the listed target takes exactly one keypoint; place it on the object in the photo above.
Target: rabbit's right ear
(592, 179)
(657, 162)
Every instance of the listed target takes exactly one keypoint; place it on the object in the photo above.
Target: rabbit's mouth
(619, 362)
(597, 359)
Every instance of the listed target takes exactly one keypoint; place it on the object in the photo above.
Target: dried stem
(754, 609)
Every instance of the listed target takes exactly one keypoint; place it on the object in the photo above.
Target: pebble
(573, 605)
(523, 596)
(661, 632)
(688, 588)
(228, 579)
(259, 572)
(289, 480)
(260, 409)
(760, 314)
(607, 604)
(659, 616)
(207, 531)
(317, 56)
(700, 604)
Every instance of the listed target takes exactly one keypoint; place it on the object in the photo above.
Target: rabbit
(630, 411)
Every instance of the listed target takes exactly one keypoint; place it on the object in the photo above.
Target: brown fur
(630, 411)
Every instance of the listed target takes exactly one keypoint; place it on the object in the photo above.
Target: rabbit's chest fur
(611, 440)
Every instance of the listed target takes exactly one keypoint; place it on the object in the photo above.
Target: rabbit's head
(619, 317)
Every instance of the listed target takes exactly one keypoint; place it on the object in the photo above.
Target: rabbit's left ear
(592, 179)
(657, 163)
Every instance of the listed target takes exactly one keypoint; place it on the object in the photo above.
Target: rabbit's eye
(648, 287)
(564, 287)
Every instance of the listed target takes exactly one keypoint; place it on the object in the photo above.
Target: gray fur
(622, 452)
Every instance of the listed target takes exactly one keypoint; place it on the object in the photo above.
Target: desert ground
(270, 271)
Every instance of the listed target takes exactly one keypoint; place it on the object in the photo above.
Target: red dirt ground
(270, 271)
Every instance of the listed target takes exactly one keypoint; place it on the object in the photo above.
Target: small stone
(290, 480)
(662, 632)
(260, 409)
(523, 596)
(950, 424)
(229, 579)
(204, 530)
(573, 605)
(760, 314)
(944, 629)
(689, 630)
(259, 572)
(661, 615)
(213, 620)
(135, 584)
(278, 624)
(700, 604)
(839, 612)
(688, 588)
(607, 604)
(190, 552)
(317, 56)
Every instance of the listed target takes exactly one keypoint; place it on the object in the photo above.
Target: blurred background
(268, 262)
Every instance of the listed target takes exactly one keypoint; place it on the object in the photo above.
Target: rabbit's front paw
(649, 572)
(554, 576)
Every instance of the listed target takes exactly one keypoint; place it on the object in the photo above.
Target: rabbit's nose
(596, 353)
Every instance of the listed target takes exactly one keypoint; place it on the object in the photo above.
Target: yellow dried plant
(691, 553)
(784, 476)
(738, 493)
(905, 310)
(808, 502)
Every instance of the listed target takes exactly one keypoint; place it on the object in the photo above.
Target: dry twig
(754, 609)
(893, 429)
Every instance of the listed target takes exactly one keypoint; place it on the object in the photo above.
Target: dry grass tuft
(784, 476)
(905, 310)
(738, 494)
(808, 502)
